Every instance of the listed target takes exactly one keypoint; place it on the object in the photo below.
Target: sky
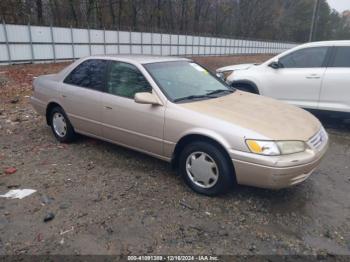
(339, 5)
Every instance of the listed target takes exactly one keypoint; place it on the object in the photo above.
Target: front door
(139, 126)
(298, 80)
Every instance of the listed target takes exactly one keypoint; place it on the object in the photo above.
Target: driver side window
(126, 80)
(305, 58)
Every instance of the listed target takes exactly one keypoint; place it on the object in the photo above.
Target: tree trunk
(197, 13)
(111, 9)
(120, 9)
(99, 17)
(134, 14)
(159, 7)
(39, 9)
(74, 14)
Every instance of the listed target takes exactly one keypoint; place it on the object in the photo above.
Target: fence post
(130, 40)
(151, 41)
(141, 42)
(204, 44)
(178, 43)
(222, 46)
(192, 53)
(161, 43)
(250, 47)
(118, 39)
(199, 45)
(7, 42)
(228, 47)
(186, 44)
(31, 42)
(271, 47)
(233, 47)
(243, 44)
(89, 39)
(53, 44)
(211, 43)
(72, 42)
(104, 40)
(171, 44)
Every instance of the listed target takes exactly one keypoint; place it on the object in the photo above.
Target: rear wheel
(206, 169)
(61, 126)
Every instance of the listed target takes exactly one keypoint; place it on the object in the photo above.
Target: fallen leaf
(10, 170)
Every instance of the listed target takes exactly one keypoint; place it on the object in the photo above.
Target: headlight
(272, 148)
(227, 73)
(223, 75)
(291, 147)
(220, 75)
(268, 148)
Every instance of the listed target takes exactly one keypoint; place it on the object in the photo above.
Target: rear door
(299, 79)
(139, 126)
(335, 92)
(81, 95)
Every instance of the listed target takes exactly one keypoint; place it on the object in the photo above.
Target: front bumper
(276, 172)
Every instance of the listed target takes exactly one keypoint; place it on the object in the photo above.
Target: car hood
(271, 118)
(235, 67)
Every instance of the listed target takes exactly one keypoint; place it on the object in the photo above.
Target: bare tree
(39, 12)
(272, 19)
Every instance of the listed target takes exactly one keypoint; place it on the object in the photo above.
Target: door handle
(108, 107)
(64, 96)
(313, 76)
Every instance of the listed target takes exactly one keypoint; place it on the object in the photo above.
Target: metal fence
(30, 44)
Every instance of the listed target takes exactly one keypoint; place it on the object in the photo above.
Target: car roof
(141, 59)
(328, 43)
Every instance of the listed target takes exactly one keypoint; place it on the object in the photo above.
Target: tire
(204, 156)
(61, 126)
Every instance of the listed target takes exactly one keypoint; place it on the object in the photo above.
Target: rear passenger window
(341, 57)
(305, 58)
(90, 74)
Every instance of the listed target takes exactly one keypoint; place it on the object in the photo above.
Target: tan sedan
(175, 110)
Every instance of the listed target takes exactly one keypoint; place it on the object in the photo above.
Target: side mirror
(275, 65)
(146, 98)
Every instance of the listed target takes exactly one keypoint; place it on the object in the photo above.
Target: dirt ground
(110, 200)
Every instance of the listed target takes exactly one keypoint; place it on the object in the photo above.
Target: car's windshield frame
(194, 98)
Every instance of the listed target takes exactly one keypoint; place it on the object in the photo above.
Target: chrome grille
(318, 140)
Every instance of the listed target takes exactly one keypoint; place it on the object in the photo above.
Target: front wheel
(61, 126)
(245, 87)
(206, 169)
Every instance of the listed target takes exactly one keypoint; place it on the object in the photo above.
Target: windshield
(184, 80)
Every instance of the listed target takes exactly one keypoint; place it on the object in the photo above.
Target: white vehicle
(313, 76)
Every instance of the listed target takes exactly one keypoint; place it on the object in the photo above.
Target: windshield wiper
(191, 97)
(207, 95)
(218, 91)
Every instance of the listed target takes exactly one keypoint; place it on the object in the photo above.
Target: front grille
(318, 140)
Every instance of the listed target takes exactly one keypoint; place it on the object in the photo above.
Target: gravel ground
(109, 200)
